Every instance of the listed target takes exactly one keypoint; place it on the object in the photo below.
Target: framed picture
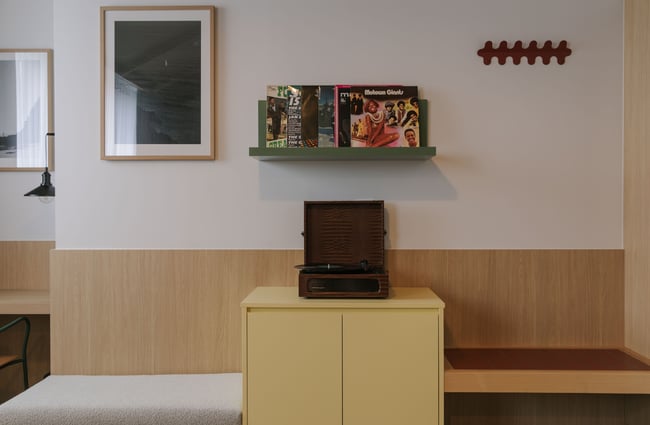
(158, 83)
(25, 109)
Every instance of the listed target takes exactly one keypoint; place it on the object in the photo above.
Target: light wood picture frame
(158, 83)
(26, 109)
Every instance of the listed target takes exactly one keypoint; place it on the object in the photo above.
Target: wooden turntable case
(345, 233)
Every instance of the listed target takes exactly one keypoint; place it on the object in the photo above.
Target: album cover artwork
(342, 112)
(326, 117)
(384, 116)
(276, 116)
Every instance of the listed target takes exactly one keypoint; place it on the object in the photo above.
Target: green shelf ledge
(339, 154)
(262, 153)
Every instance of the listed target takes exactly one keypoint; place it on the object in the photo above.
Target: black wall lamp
(45, 189)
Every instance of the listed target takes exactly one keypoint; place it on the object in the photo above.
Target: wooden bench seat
(201, 399)
(545, 370)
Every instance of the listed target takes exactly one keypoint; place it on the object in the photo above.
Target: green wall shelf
(335, 154)
(262, 153)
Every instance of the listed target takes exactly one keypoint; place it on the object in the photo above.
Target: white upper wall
(528, 156)
(25, 25)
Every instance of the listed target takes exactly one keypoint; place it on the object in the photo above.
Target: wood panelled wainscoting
(177, 311)
(159, 311)
(637, 175)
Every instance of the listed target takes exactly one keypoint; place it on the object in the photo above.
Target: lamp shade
(45, 189)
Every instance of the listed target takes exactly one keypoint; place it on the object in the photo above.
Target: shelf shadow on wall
(333, 180)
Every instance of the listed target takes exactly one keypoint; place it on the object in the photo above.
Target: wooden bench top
(545, 370)
(543, 359)
(24, 302)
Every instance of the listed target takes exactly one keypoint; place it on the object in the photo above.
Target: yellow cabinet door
(390, 367)
(294, 367)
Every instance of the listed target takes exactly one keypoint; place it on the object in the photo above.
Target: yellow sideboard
(342, 361)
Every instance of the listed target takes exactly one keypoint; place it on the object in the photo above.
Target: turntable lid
(344, 232)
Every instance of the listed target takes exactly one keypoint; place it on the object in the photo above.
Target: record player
(344, 250)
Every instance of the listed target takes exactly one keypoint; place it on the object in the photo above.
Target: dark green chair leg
(23, 358)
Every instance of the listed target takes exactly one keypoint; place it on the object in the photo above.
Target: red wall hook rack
(546, 52)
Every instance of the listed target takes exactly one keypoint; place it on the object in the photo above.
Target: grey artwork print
(158, 77)
(25, 109)
(158, 82)
(8, 112)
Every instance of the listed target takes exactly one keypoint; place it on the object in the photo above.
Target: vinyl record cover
(326, 117)
(294, 117)
(342, 111)
(384, 116)
(303, 116)
(276, 116)
(309, 119)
